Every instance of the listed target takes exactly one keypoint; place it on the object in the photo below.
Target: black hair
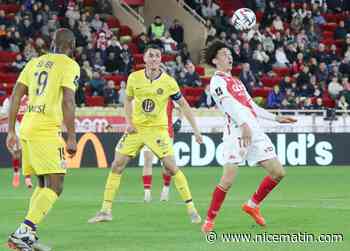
(212, 51)
(153, 46)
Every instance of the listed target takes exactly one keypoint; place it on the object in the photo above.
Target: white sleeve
(5, 107)
(238, 113)
(229, 105)
(262, 113)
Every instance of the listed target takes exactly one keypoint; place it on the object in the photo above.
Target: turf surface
(309, 200)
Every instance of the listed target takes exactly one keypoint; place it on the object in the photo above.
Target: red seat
(94, 101)
(8, 77)
(194, 91)
(133, 48)
(89, 2)
(328, 35)
(139, 67)
(10, 8)
(281, 71)
(329, 26)
(261, 92)
(205, 80)
(7, 56)
(138, 58)
(125, 30)
(236, 71)
(113, 22)
(116, 78)
(192, 100)
(270, 81)
(328, 42)
(168, 57)
(200, 70)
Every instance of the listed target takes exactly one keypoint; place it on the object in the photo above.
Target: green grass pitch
(312, 200)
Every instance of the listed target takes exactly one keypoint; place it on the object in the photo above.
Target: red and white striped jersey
(223, 85)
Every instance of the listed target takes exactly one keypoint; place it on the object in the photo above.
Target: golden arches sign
(75, 162)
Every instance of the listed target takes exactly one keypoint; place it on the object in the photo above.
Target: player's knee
(170, 170)
(118, 166)
(58, 189)
(279, 174)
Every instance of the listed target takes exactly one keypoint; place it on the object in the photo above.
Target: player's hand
(286, 119)
(71, 146)
(131, 129)
(12, 144)
(246, 135)
(199, 138)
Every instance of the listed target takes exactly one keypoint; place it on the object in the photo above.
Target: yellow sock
(34, 195)
(41, 205)
(112, 186)
(183, 189)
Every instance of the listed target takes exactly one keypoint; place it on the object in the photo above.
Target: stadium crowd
(295, 57)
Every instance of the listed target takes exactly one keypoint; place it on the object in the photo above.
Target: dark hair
(63, 38)
(153, 46)
(212, 51)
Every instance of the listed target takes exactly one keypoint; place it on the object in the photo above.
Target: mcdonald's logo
(75, 162)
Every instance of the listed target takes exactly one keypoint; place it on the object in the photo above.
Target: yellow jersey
(151, 98)
(44, 77)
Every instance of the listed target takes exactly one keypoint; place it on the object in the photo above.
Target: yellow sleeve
(71, 76)
(174, 87)
(130, 86)
(24, 76)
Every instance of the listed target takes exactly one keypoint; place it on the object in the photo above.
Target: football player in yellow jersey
(49, 81)
(148, 92)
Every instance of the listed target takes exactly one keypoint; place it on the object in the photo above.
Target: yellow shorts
(40, 157)
(156, 139)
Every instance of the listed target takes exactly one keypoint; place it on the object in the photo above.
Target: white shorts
(260, 149)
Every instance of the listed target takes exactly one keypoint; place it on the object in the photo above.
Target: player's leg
(182, 187)
(147, 174)
(264, 154)
(164, 195)
(16, 175)
(111, 188)
(218, 196)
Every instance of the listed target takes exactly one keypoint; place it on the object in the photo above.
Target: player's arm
(128, 106)
(187, 111)
(128, 109)
(68, 108)
(264, 114)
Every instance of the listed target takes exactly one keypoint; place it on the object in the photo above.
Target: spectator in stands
(98, 63)
(281, 58)
(3, 20)
(211, 31)
(122, 93)
(19, 64)
(308, 104)
(318, 105)
(29, 51)
(247, 78)
(344, 67)
(142, 42)
(260, 59)
(40, 46)
(304, 77)
(101, 44)
(110, 94)
(177, 31)
(112, 63)
(340, 32)
(277, 23)
(184, 53)
(274, 98)
(192, 78)
(342, 104)
(209, 9)
(73, 13)
(96, 84)
(221, 21)
(169, 44)
(126, 60)
(206, 99)
(319, 19)
(104, 8)
(157, 29)
(96, 23)
(334, 5)
(321, 54)
(322, 73)
(335, 88)
(114, 46)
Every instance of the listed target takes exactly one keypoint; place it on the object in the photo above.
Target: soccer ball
(243, 19)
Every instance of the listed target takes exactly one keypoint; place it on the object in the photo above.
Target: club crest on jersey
(160, 91)
(148, 105)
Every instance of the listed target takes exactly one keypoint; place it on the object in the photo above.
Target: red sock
(147, 181)
(217, 199)
(264, 189)
(15, 165)
(166, 180)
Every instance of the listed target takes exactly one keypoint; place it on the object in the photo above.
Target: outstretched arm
(264, 114)
(186, 109)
